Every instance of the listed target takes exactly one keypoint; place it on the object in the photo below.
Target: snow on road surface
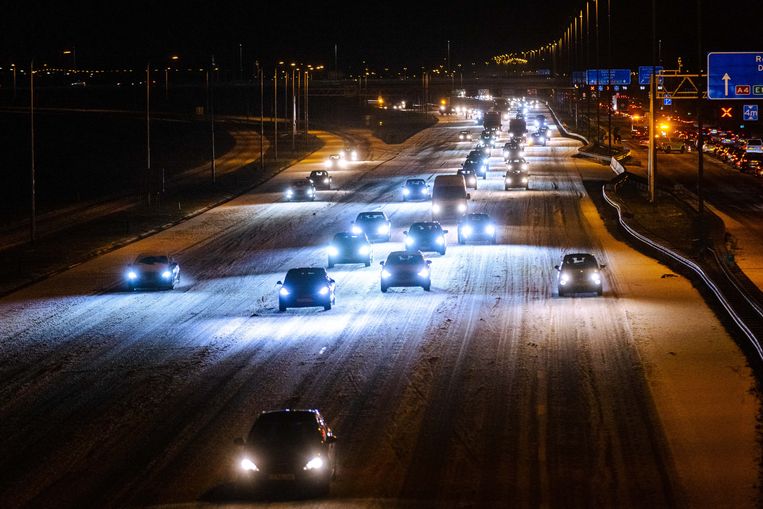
(487, 391)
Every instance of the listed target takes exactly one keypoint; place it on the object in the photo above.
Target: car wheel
(460, 240)
(599, 292)
(667, 150)
(505, 188)
(384, 288)
(562, 293)
(493, 241)
(442, 251)
(367, 263)
(331, 264)
(427, 287)
(281, 308)
(327, 307)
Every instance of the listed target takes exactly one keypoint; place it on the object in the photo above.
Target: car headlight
(466, 230)
(596, 278)
(436, 208)
(342, 163)
(524, 180)
(525, 166)
(406, 191)
(383, 229)
(289, 192)
(248, 465)
(314, 464)
(386, 273)
(542, 139)
(328, 163)
(483, 168)
(326, 180)
(424, 273)
(323, 290)
(409, 241)
(333, 251)
(490, 229)
(440, 241)
(132, 275)
(364, 250)
(461, 207)
(310, 191)
(357, 230)
(508, 180)
(166, 274)
(564, 278)
(284, 291)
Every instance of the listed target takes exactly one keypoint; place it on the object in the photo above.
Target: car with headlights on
(416, 189)
(306, 287)
(335, 161)
(403, 268)
(151, 270)
(538, 139)
(479, 164)
(516, 178)
(579, 273)
(518, 163)
(426, 236)
(320, 179)
(292, 447)
(476, 228)
(464, 136)
(470, 177)
(348, 247)
(300, 190)
(376, 225)
(350, 153)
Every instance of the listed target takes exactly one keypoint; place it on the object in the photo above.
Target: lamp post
(262, 118)
(212, 115)
(33, 209)
(148, 132)
(293, 109)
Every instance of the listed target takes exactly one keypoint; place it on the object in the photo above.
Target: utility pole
(305, 107)
(598, 76)
(241, 61)
(275, 114)
(33, 210)
(293, 112)
(700, 134)
(588, 64)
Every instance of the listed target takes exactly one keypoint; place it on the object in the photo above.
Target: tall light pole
(700, 134)
(13, 67)
(148, 131)
(33, 209)
(305, 107)
(262, 117)
(652, 159)
(293, 110)
(212, 115)
(275, 113)
(609, 74)
(598, 66)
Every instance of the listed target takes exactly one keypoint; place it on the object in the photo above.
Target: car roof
(306, 272)
(426, 224)
(579, 258)
(405, 255)
(318, 172)
(152, 255)
(352, 236)
(375, 214)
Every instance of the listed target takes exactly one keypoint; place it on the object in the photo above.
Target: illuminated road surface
(488, 391)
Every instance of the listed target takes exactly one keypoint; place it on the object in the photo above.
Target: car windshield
(516, 161)
(581, 261)
(347, 238)
(415, 183)
(476, 218)
(404, 259)
(300, 183)
(370, 216)
(305, 276)
(318, 174)
(285, 428)
(151, 260)
(425, 228)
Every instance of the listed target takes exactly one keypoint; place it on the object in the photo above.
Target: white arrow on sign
(726, 79)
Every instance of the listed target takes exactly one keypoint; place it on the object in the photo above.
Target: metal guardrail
(754, 341)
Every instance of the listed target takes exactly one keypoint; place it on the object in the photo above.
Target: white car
(335, 161)
(153, 271)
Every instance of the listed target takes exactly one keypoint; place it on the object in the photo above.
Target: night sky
(393, 34)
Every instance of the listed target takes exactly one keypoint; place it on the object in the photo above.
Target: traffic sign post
(608, 76)
(735, 75)
(645, 73)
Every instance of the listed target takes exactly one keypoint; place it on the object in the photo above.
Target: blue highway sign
(750, 113)
(608, 77)
(734, 75)
(645, 73)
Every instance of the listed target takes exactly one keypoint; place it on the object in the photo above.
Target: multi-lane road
(487, 391)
